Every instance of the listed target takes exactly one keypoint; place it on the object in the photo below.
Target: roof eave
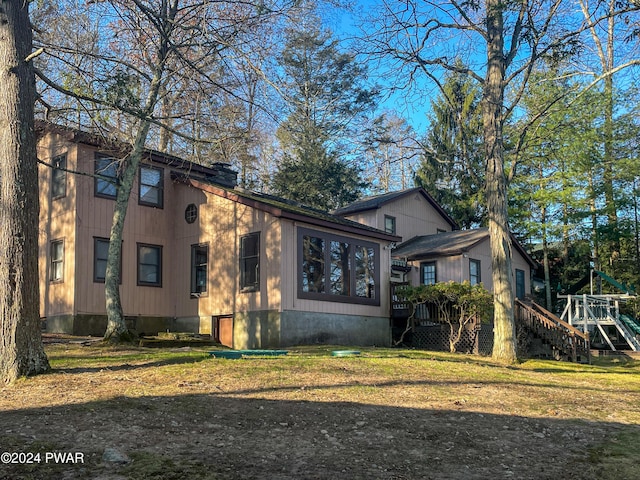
(282, 213)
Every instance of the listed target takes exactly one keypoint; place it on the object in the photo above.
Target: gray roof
(283, 208)
(448, 244)
(376, 201)
(441, 244)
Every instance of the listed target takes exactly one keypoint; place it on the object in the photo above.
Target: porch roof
(448, 244)
(440, 244)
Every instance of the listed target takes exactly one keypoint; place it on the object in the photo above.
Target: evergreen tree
(326, 99)
(452, 166)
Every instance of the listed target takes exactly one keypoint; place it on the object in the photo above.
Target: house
(201, 255)
(432, 248)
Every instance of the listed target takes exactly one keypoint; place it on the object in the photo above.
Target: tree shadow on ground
(173, 360)
(232, 437)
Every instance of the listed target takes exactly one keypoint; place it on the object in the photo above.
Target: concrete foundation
(274, 330)
(251, 330)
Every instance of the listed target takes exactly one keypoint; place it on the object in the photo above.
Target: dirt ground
(196, 417)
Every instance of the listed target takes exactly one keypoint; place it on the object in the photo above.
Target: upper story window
(428, 273)
(336, 268)
(191, 213)
(250, 262)
(474, 272)
(107, 169)
(151, 186)
(59, 177)
(390, 224)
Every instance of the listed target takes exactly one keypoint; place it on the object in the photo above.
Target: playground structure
(600, 317)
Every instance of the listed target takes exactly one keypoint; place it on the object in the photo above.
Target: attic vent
(191, 213)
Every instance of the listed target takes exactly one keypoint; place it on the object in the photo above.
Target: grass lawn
(118, 413)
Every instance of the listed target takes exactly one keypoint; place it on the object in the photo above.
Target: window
(520, 289)
(250, 262)
(390, 224)
(107, 168)
(365, 269)
(149, 265)
(428, 273)
(199, 262)
(335, 268)
(56, 255)
(59, 177)
(100, 254)
(151, 186)
(474, 272)
(191, 213)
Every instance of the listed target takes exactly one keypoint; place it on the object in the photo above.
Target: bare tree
(136, 53)
(21, 350)
(499, 44)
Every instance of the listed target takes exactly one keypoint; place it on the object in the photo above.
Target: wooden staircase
(565, 341)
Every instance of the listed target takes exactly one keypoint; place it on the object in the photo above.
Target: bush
(457, 304)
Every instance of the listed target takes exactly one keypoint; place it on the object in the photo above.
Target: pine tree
(21, 350)
(452, 166)
(326, 97)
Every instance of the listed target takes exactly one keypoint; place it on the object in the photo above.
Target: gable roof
(283, 208)
(376, 201)
(448, 244)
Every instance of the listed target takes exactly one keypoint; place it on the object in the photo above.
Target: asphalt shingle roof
(441, 244)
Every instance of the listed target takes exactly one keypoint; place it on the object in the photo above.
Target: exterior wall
(143, 224)
(270, 329)
(312, 328)
(456, 268)
(77, 303)
(413, 213)
(86, 324)
(220, 224)
(290, 263)
(57, 222)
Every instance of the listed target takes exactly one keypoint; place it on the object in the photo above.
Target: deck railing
(567, 340)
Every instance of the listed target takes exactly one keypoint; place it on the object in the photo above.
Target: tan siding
(306, 305)
(221, 223)
(143, 224)
(57, 221)
(80, 216)
(456, 268)
(414, 216)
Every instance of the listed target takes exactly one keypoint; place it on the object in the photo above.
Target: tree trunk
(117, 329)
(21, 349)
(504, 344)
(116, 326)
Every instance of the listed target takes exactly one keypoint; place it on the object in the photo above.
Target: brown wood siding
(57, 222)
(221, 224)
(413, 213)
(80, 217)
(456, 268)
(290, 286)
(143, 225)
